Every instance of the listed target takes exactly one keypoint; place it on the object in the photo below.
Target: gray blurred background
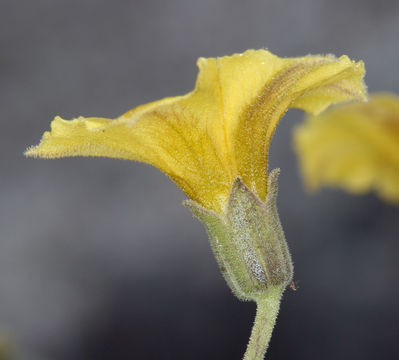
(99, 260)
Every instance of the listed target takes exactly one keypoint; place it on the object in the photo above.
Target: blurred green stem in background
(5, 348)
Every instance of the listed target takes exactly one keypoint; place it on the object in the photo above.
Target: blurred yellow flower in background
(221, 130)
(353, 146)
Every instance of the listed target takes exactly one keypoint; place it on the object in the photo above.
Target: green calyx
(248, 241)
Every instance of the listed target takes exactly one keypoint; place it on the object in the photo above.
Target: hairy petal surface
(221, 130)
(311, 83)
(166, 134)
(353, 146)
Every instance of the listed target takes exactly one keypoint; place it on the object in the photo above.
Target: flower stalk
(267, 307)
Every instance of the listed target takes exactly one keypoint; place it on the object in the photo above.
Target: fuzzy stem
(268, 305)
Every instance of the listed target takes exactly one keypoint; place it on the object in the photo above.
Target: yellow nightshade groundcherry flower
(357, 147)
(213, 143)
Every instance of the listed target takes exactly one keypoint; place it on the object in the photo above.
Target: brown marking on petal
(260, 119)
(346, 91)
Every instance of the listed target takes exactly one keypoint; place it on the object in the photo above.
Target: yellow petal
(311, 83)
(353, 146)
(218, 132)
(163, 134)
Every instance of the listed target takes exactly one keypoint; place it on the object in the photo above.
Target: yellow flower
(214, 142)
(357, 147)
(221, 130)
